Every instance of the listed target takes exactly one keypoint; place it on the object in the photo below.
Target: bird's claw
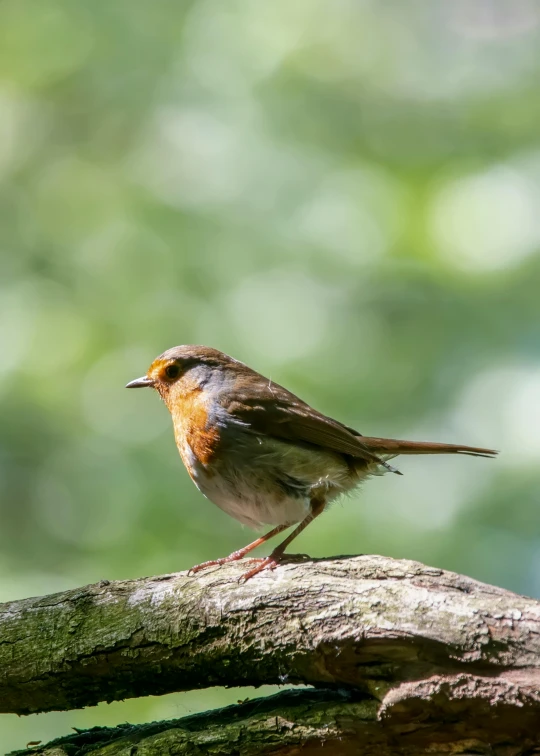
(266, 563)
(198, 567)
(262, 563)
(220, 562)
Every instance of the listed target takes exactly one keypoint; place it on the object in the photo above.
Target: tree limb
(420, 643)
(337, 723)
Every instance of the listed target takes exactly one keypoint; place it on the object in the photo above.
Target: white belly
(256, 489)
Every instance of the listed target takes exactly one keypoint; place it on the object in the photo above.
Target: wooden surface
(415, 647)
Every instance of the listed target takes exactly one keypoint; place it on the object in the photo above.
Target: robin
(259, 452)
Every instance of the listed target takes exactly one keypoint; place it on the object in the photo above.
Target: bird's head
(181, 368)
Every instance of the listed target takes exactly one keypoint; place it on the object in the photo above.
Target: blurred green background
(345, 195)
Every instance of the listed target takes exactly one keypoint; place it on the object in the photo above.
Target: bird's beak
(143, 382)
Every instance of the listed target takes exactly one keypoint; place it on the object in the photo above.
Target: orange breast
(197, 441)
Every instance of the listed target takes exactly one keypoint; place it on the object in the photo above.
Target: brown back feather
(266, 407)
(271, 409)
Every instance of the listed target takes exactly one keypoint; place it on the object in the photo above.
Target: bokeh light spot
(283, 314)
(488, 221)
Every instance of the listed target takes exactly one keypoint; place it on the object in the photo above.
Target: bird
(259, 452)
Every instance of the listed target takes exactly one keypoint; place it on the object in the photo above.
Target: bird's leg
(241, 552)
(272, 561)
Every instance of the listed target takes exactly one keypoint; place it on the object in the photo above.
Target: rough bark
(335, 723)
(417, 647)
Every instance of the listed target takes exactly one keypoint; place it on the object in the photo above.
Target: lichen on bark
(412, 643)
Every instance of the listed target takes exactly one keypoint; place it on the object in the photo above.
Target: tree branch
(419, 642)
(339, 722)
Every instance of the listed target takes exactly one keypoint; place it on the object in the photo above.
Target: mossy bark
(411, 643)
(336, 723)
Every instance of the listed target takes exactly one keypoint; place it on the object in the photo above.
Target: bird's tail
(393, 447)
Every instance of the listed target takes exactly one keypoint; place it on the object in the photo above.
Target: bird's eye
(172, 371)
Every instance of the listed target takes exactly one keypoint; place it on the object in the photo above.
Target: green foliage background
(344, 195)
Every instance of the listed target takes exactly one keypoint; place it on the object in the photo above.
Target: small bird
(259, 452)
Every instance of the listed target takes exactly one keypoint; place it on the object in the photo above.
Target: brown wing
(268, 408)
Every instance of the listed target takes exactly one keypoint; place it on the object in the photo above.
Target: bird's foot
(264, 563)
(212, 563)
(234, 557)
(271, 562)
